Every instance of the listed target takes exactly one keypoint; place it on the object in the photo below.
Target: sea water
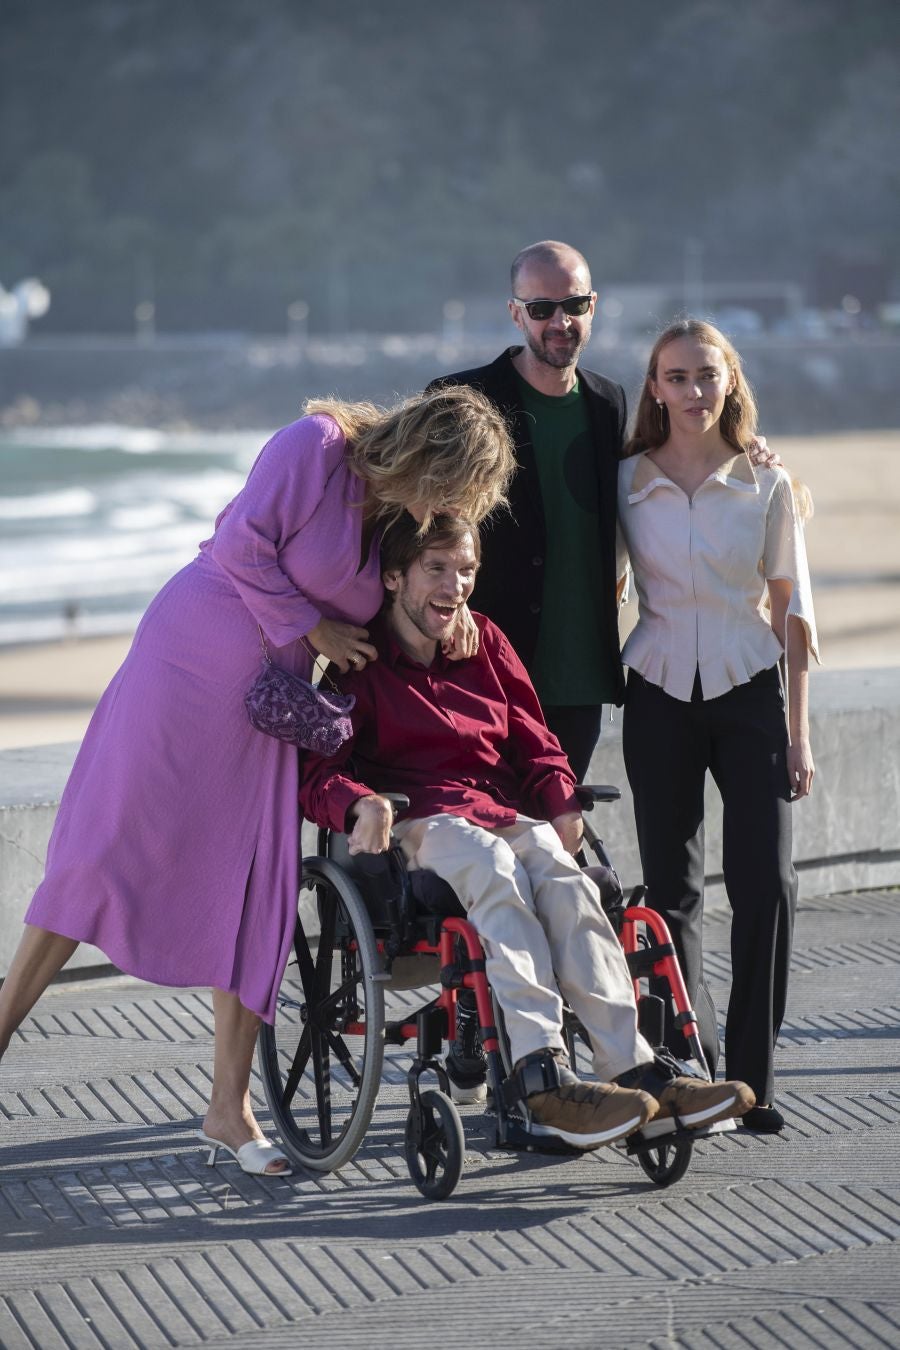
(94, 519)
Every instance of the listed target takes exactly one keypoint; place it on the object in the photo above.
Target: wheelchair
(384, 932)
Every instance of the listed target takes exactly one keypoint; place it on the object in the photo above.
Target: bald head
(549, 253)
(554, 336)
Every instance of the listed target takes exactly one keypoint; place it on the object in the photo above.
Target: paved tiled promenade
(113, 1232)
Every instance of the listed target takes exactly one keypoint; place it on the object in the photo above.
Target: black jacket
(510, 587)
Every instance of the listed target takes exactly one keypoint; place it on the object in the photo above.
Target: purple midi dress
(175, 849)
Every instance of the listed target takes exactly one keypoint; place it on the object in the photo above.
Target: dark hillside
(373, 158)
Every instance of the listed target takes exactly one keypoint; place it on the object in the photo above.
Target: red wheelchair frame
(337, 998)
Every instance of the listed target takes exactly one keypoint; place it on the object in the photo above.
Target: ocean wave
(40, 553)
(105, 579)
(50, 627)
(99, 534)
(73, 501)
(208, 491)
(137, 518)
(133, 440)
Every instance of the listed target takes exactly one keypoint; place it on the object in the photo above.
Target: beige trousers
(544, 933)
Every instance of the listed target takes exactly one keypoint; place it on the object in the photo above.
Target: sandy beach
(48, 691)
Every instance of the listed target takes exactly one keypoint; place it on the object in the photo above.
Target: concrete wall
(847, 835)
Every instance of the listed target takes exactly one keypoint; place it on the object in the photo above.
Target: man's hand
(371, 833)
(463, 641)
(760, 454)
(570, 828)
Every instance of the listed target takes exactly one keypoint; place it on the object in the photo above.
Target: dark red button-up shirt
(463, 737)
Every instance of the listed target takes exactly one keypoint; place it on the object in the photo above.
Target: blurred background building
(222, 166)
(236, 205)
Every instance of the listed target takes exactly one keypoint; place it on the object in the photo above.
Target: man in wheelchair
(493, 812)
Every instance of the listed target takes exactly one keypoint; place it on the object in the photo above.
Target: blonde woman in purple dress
(175, 849)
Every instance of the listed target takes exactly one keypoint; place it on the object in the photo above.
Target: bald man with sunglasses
(548, 574)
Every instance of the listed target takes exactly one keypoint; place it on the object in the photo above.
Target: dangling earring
(662, 414)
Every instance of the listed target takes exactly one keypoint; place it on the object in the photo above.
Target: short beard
(540, 353)
(417, 619)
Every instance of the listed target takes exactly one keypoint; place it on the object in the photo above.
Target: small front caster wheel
(667, 1162)
(435, 1145)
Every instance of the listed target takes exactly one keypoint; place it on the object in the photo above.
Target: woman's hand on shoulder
(343, 643)
(371, 832)
(801, 769)
(464, 639)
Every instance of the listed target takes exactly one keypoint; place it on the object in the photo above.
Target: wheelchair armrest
(588, 793)
(397, 800)
(334, 843)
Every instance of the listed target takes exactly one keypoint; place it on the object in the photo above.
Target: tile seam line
(52, 1318)
(339, 1303)
(846, 1307)
(80, 1309)
(239, 1257)
(548, 1256)
(617, 1215)
(843, 1189)
(179, 1306)
(9, 1301)
(220, 1277)
(858, 1240)
(383, 1277)
(148, 1310)
(668, 1207)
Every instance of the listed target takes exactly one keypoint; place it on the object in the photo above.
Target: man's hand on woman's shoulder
(761, 455)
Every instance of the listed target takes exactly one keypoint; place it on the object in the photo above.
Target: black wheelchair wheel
(435, 1145)
(321, 1060)
(667, 1162)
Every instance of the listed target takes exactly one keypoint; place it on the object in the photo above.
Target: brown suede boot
(584, 1114)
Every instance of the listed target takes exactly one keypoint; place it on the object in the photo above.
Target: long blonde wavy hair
(447, 451)
(738, 421)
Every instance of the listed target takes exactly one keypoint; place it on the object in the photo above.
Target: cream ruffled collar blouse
(700, 566)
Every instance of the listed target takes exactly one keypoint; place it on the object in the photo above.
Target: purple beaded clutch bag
(286, 706)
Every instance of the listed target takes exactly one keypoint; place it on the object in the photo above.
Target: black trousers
(577, 729)
(741, 739)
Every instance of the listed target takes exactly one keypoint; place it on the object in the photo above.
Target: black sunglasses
(573, 305)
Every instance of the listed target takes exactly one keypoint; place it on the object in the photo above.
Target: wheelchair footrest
(523, 1140)
(394, 1033)
(660, 1132)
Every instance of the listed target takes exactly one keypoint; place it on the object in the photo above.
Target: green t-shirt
(572, 664)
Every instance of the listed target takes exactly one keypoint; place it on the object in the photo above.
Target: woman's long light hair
(738, 421)
(447, 451)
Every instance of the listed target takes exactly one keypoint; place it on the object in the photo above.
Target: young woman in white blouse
(716, 546)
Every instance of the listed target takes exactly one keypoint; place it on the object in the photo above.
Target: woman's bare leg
(39, 956)
(230, 1116)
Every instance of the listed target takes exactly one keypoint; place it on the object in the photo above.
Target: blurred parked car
(738, 322)
(803, 323)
